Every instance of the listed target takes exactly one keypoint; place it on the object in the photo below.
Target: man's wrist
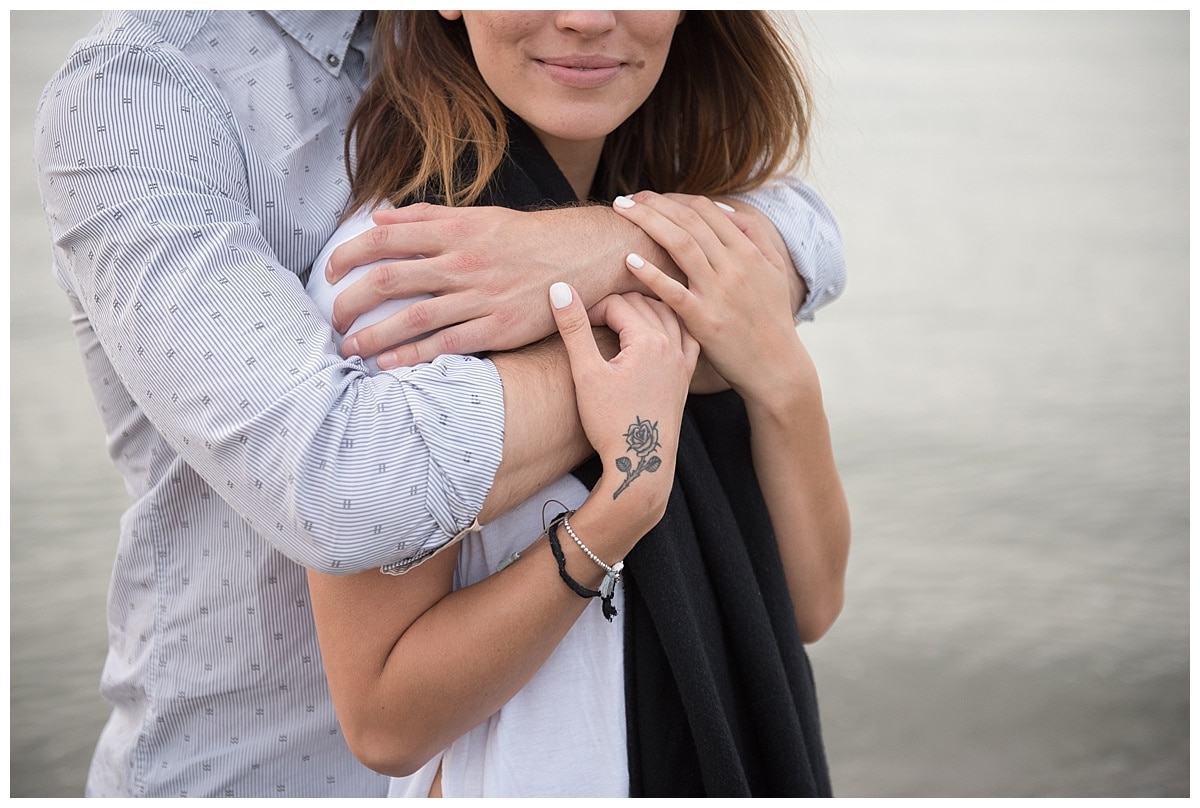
(599, 270)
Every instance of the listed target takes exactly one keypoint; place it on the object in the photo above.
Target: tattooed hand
(631, 405)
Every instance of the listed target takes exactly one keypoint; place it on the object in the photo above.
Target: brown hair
(731, 109)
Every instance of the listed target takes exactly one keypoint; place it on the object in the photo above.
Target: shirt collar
(325, 35)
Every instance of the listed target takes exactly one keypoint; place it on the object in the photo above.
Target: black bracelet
(579, 589)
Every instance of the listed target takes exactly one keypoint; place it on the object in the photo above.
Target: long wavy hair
(732, 108)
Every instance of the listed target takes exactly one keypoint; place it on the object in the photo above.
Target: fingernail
(723, 206)
(386, 361)
(634, 260)
(623, 202)
(560, 295)
(350, 346)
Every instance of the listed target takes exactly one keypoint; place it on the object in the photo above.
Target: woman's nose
(586, 23)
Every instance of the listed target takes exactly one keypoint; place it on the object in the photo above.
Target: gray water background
(1006, 378)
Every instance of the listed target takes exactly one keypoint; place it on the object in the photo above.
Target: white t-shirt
(563, 734)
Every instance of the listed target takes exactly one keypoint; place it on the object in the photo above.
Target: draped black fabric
(720, 699)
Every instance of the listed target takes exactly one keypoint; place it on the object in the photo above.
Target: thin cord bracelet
(611, 574)
(607, 607)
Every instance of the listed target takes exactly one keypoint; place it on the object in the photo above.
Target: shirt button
(332, 60)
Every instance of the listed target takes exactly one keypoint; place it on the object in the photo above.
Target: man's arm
(488, 268)
(158, 234)
(542, 438)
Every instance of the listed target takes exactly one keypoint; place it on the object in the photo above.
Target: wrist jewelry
(611, 574)
(607, 588)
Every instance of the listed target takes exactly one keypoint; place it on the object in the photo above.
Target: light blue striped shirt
(191, 168)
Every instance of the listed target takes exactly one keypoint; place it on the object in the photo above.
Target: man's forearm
(606, 239)
(543, 439)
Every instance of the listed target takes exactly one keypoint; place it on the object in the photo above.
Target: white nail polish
(623, 202)
(723, 206)
(560, 295)
(634, 260)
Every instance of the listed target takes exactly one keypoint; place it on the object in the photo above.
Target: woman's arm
(736, 304)
(411, 665)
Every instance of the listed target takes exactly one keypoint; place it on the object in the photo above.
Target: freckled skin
(573, 76)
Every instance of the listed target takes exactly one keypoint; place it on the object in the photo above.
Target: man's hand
(488, 269)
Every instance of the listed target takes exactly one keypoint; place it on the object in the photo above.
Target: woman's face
(571, 75)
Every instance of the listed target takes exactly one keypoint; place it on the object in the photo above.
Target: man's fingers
(421, 211)
(373, 245)
(411, 322)
(461, 339)
(380, 282)
(415, 238)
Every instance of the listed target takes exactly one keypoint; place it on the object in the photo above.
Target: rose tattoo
(642, 439)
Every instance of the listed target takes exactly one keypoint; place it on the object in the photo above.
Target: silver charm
(609, 584)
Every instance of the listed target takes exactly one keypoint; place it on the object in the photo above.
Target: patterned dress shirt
(190, 164)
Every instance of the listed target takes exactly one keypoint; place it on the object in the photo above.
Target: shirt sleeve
(811, 234)
(147, 194)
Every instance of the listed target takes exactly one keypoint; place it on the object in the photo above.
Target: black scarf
(719, 693)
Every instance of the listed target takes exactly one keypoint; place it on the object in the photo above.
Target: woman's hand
(413, 665)
(737, 300)
(631, 405)
(736, 304)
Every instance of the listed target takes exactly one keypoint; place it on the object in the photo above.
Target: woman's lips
(585, 73)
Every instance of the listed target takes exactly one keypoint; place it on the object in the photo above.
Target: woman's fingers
(664, 287)
(683, 224)
(730, 240)
(678, 230)
(755, 231)
(676, 330)
(572, 320)
(633, 316)
(726, 223)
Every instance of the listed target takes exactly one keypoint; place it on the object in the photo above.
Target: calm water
(1007, 378)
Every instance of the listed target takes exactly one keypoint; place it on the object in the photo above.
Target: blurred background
(1006, 377)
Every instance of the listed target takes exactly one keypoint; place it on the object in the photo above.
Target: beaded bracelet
(607, 607)
(611, 574)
